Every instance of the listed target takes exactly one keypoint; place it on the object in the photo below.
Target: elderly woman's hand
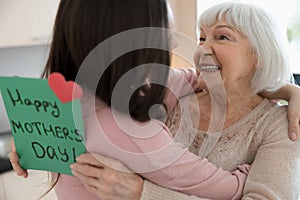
(14, 160)
(111, 180)
(294, 115)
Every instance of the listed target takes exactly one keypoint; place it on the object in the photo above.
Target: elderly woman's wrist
(292, 90)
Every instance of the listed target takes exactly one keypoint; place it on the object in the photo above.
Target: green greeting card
(46, 121)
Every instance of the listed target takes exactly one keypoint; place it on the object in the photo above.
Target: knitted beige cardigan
(260, 138)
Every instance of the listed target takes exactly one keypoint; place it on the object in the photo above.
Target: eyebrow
(226, 26)
(222, 26)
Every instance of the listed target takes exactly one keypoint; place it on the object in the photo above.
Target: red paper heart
(66, 91)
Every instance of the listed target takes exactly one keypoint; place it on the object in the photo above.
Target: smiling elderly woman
(241, 44)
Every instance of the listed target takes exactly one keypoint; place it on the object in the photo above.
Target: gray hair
(266, 40)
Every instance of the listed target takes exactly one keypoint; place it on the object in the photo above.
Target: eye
(223, 37)
(202, 39)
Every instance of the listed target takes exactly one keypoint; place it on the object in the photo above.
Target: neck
(231, 105)
(242, 98)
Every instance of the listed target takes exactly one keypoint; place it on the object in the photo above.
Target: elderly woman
(240, 55)
(243, 44)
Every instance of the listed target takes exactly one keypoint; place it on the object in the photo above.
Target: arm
(192, 175)
(159, 159)
(119, 184)
(95, 174)
(275, 172)
(290, 93)
(173, 166)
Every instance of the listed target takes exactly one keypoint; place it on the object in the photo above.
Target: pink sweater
(149, 149)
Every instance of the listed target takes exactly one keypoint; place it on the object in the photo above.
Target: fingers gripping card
(46, 121)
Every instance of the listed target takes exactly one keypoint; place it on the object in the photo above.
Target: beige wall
(185, 16)
(185, 22)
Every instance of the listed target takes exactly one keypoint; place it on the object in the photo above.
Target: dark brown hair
(83, 24)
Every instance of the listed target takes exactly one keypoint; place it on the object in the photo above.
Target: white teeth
(209, 68)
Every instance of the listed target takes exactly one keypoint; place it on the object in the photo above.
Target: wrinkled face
(223, 48)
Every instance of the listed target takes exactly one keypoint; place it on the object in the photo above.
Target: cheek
(236, 65)
(250, 62)
(226, 56)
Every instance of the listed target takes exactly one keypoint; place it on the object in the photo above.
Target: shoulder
(274, 116)
(273, 125)
(276, 164)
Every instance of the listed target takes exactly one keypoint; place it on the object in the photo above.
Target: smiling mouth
(209, 68)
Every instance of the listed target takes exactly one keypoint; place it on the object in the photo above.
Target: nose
(207, 47)
(200, 53)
